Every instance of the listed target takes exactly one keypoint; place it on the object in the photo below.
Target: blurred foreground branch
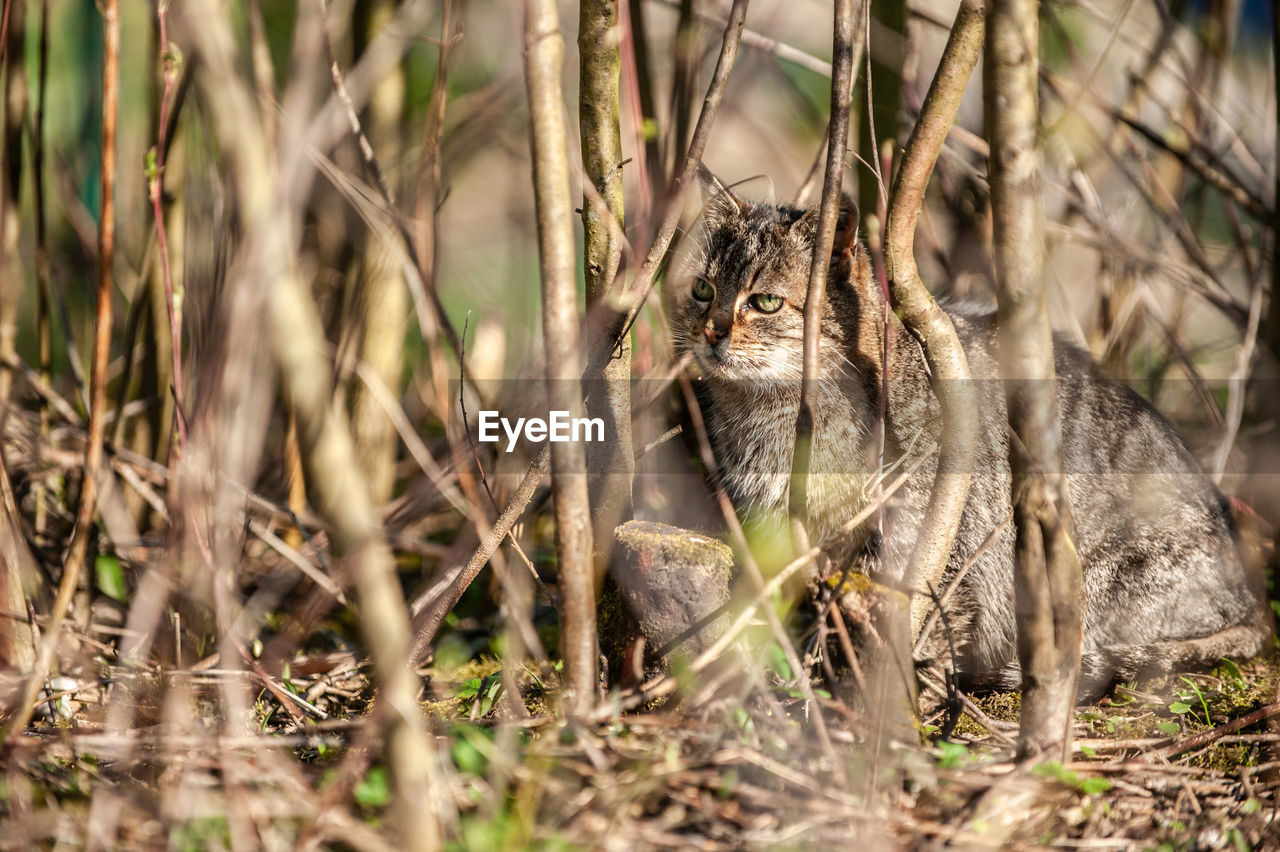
(338, 488)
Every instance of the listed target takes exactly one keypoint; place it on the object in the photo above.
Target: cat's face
(736, 297)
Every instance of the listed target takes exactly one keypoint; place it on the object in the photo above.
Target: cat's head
(735, 298)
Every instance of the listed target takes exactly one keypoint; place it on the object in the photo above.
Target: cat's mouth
(714, 358)
(720, 361)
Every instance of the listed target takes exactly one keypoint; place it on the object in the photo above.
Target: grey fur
(1165, 583)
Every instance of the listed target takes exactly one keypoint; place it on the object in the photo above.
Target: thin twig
(76, 551)
(155, 192)
(824, 243)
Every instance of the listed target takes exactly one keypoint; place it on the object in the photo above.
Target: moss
(1001, 706)
(676, 544)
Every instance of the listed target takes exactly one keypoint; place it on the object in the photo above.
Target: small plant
(1182, 706)
(953, 754)
(1085, 785)
(482, 692)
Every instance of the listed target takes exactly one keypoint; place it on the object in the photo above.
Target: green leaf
(1094, 786)
(1231, 671)
(1088, 752)
(468, 758)
(778, 660)
(1169, 727)
(953, 754)
(374, 790)
(1179, 707)
(111, 577)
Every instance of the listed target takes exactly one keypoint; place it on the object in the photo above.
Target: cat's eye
(766, 303)
(703, 291)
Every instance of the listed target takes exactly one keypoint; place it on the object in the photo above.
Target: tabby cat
(1165, 583)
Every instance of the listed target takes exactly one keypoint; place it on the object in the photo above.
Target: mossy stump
(669, 586)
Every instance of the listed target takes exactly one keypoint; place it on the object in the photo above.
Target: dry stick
(760, 41)
(74, 564)
(1272, 334)
(611, 464)
(155, 191)
(837, 141)
(927, 322)
(544, 58)
(1204, 738)
(443, 595)
(43, 326)
(13, 63)
(340, 493)
(4, 29)
(637, 89)
(17, 648)
(264, 78)
(1239, 379)
(643, 283)
(1048, 587)
(752, 570)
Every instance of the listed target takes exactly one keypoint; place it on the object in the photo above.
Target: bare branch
(837, 142)
(924, 319)
(1047, 581)
(544, 58)
(73, 565)
(612, 463)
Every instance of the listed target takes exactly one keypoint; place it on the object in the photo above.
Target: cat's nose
(714, 331)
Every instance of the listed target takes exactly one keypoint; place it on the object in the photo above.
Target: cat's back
(1155, 537)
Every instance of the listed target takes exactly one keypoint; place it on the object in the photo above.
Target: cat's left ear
(846, 225)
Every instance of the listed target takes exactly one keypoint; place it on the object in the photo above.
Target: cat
(1165, 583)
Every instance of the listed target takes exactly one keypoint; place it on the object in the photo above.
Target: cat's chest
(754, 442)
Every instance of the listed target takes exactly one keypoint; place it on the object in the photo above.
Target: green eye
(703, 291)
(766, 303)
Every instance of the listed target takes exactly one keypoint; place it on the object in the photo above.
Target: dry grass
(213, 685)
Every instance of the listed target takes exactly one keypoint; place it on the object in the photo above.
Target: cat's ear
(713, 200)
(846, 225)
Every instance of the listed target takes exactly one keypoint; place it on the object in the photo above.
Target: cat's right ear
(713, 201)
(846, 235)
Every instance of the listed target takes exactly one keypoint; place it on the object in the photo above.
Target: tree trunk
(611, 463)
(1047, 580)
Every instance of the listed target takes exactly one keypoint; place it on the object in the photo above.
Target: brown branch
(824, 243)
(644, 279)
(435, 603)
(548, 139)
(13, 61)
(926, 321)
(155, 192)
(612, 463)
(1204, 738)
(1048, 587)
(73, 565)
